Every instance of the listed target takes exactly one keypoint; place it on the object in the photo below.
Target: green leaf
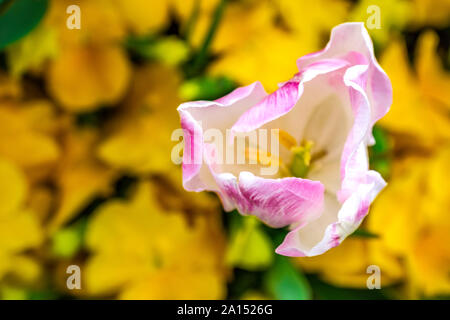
(201, 59)
(67, 242)
(206, 88)
(249, 248)
(382, 142)
(361, 233)
(380, 157)
(285, 282)
(13, 293)
(18, 18)
(31, 52)
(169, 50)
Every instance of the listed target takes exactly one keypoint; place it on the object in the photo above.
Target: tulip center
(302, 155)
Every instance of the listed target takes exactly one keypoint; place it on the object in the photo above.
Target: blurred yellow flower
(32, 51)
(265, 38)
(412, 112)
(9, 87)
(429, 263)
(141, 145)
(256, 61)
(86, 77)
(431, 13)
(101, 22)
(434, 80)
(141, 138)
(313, 17)
(185, 8)
(233, 31)
(79, 176)
(142, 16)
(346, 265)
(23, 136)
(41, 201)
(19, 227)
(411, 217)
(174, 197)
(143, 252)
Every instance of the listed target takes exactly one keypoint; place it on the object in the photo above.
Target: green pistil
(301, 159)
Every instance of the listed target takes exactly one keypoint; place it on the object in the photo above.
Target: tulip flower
(320, 123)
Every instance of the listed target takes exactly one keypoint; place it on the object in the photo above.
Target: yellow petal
(80, 177)
(239, 24)
(100, 22)
(32, 51)
(434, 80)
(13, 188)
(9, 87)
(410, 113)
(313, 16)
(429, 262)
(257, 61)
(141, 138)
(20, 231)
(141, 245)
(143, 16)
(346, 265)
(398, 231)
(173, 284)
(87, 77)
(31, 148)
(142, 146)
(431, 13)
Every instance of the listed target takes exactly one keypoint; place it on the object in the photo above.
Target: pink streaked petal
(321, 67)
(276, 202)
(380, 93)
(280, 202)
(241, 93)
(285, 98)
(353, 37)
(198, 116)
(272, 107)
(345, 38)
(349, 217)
(354, 161)
(192, 152)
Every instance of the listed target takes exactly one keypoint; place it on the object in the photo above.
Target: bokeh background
(86, 178)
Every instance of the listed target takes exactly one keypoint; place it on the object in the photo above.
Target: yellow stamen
(301, 160)
(287, 140)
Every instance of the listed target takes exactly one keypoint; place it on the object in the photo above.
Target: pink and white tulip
(333, 101)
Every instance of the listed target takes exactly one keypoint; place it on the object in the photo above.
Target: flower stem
(201, 58)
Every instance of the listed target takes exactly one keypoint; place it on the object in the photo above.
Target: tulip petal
(199, 116)
(353, 37)
(277, 202)
(323, 234)
(285, 98)
(359, 186)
